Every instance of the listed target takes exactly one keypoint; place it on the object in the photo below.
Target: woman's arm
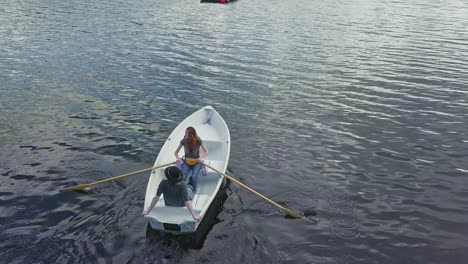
(176, 153)
(205, 152)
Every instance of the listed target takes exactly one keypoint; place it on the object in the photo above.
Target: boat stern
(181, 228)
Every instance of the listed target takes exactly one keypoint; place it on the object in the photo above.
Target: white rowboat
(212, 129)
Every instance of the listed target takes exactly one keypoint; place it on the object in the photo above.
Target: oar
(289, 212)
(86, 185)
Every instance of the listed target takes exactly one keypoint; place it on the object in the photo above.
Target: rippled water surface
(355, 110)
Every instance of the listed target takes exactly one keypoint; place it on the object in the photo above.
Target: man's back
(174, 194)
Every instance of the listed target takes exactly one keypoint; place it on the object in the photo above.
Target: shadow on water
(192, 241)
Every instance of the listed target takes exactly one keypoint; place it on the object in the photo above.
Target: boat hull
(214, 132)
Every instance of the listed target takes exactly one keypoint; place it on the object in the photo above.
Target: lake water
(356, 110)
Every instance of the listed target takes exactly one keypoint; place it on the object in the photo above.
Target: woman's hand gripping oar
(87, 185)
(289, 212)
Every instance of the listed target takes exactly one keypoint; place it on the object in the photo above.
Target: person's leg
(195, 172)
(185, 170)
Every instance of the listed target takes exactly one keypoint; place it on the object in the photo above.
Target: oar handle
(82, 186)
(286, 210)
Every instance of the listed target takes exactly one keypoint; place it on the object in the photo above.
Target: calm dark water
(354, 109)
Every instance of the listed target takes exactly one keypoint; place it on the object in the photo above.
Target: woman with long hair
(192, 161)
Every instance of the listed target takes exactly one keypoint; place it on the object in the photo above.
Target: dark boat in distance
(217, 1)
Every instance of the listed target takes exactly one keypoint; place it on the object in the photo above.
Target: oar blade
(292, 214)
(77, 187)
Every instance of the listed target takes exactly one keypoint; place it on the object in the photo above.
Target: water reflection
(353, 110)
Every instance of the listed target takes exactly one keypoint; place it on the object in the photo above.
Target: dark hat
(173, 173)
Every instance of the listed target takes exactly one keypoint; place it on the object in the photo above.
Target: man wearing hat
(176, 192)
